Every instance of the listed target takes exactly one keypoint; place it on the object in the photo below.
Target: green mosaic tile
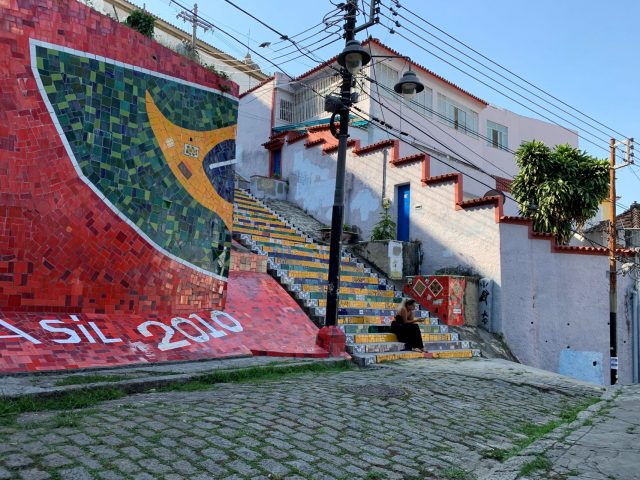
(101, 109)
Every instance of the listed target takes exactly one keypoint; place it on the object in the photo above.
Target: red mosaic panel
(274, 323)
(442, 295)
(78, 286)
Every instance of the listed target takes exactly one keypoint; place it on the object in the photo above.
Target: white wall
(254, 129)
(555, 302)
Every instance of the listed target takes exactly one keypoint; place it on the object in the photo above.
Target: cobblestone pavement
(419, 419)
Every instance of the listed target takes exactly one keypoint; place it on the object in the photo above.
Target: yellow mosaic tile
(452, 354)
(188, 169)
(387, 357)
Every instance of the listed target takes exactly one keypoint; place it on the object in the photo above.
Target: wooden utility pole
(191, 16)
(613, 290)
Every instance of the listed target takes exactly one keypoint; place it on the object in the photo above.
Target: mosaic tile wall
(442, 295)
(116, 191)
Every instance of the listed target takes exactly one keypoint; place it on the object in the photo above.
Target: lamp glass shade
(408, 90)
(408, 85)
(353, 62)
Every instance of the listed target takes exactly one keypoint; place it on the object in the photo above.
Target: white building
(456, 128)
(243, 72)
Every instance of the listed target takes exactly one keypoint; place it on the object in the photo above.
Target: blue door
(276, 164)
(404, 200)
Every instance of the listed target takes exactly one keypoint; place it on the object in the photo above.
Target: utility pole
(612, 246)
(337, 214)
(613, 280)
(195, 21)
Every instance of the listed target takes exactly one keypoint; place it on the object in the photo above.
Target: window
(387, 77)
(497, 135)
(308, 103)
(457, 116)
(286, 110)
(422, 102)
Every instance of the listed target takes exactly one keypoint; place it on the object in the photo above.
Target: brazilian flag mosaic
(160, 150)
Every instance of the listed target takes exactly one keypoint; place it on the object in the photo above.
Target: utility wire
(495, 88)
(449, 165)
(397, 13)
(509, 71)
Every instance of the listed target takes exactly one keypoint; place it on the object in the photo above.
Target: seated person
(406, 327)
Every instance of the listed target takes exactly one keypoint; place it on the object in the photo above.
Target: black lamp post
(351, 59)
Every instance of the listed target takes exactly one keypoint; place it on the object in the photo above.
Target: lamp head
(408, 85)
(353, 57)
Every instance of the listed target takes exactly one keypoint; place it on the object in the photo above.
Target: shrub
(142, 22)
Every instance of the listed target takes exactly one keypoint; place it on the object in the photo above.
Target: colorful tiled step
(365, 328)
(391, 337)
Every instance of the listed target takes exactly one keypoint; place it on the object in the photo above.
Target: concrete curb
(153, 381)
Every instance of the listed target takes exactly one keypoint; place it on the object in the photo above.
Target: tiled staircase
(367, 302)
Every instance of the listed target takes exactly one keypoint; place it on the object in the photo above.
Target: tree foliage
(142, 22)
(558, 189)
(385, 229)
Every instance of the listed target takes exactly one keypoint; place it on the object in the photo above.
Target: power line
(496, 89)
(509, 71)
(397, 13)
(418, 148)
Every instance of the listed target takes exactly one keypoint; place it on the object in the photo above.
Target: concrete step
(291, 258)
(291, 236)
(430, 347)
(297, 265)
(380, 320)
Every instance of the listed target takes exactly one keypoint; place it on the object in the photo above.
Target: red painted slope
(274, 324)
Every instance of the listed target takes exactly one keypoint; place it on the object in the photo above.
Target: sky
(583, 52)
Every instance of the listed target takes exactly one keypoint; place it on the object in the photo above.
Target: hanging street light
(352, 58)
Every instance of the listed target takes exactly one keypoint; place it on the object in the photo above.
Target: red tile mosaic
(274, 324)
(442, 295)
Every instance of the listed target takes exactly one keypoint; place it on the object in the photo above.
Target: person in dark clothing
(406, 326)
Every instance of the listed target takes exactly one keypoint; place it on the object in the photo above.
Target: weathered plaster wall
(554, 302)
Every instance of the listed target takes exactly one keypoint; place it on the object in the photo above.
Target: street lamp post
(351, 60)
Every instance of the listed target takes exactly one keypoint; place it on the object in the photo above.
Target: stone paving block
(110, 475)
(193, 442)
(274, 467)
(76, 473)
(5, 474)
(241, 467)
(34, 474)
(144, 476)
(133, 453)
(215, 454)
(17, 460)
(154, 466)
(104, 452)
(125, 465)
(184, 467)
(55, 460)
(214, 469)
(272, 452)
